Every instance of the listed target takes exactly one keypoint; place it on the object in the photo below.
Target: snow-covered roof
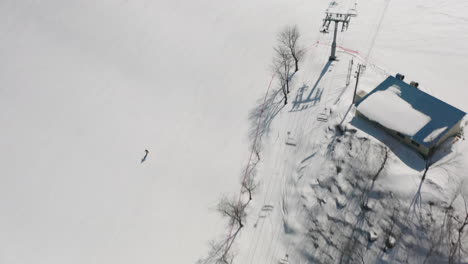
(398, 106)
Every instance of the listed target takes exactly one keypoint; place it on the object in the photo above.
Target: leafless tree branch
(288, 38)
(282, 65)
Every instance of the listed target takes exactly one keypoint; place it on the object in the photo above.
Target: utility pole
(337, 18)
(350, 70)
(360, 69)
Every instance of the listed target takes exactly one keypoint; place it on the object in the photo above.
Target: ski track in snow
(86, 86)
(299, 123)
(280, 170)
(296, 125)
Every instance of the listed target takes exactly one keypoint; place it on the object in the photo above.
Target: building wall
(452, 132)
(359, 95)
(405, 139)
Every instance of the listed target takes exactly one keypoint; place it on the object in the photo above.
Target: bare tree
(249, 183)
(218, 253)
(456, 231)
(288, 38)
(233, 210)
(282, 65)
(221, 252)
(288, 54)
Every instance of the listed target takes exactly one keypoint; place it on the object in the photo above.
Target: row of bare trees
(234, 210)
(288, 54)
(221, 250)
(456, 230)
(287, 57)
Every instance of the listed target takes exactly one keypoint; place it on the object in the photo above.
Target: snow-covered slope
(326, 192)
(86, 86)
(336, 189)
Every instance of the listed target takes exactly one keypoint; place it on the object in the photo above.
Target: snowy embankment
(336, 189)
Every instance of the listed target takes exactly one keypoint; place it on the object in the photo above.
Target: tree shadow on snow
(263, 114)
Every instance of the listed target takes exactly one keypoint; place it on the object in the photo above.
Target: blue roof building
(416, 118)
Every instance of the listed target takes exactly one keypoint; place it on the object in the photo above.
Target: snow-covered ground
(326, 193)
(86, 86)
(355, 194)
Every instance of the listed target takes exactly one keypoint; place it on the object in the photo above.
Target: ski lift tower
(343, 18)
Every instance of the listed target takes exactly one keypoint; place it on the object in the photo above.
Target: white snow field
(87, 86)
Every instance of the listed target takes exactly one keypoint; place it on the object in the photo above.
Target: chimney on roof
(400, 76)
(414, 84)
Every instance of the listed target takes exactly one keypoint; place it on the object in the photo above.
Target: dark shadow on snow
(407, 155)
(264, 113)
(309, 157)
(315, 95)
(324, 71)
